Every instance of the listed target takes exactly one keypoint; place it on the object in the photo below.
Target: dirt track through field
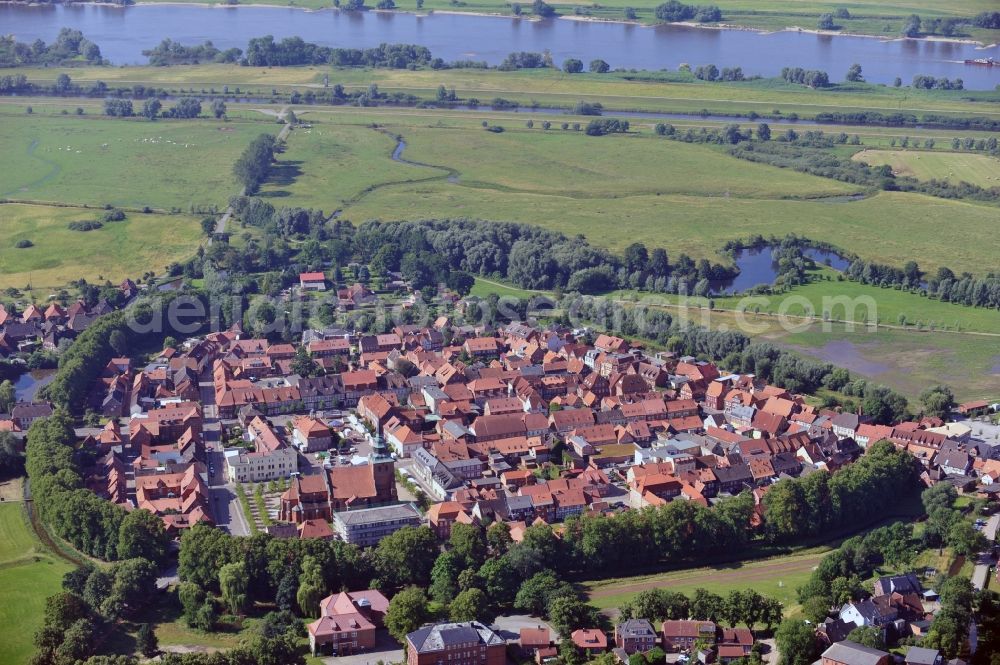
(741, 574)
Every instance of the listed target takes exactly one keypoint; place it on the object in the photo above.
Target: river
(123, 33)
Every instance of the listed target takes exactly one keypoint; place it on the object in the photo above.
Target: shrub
(85, 225)
(24, 243)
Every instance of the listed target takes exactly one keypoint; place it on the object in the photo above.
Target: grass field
(880, 17)
(328, 165)
(28, 575)
(777, 578)
(142, 242)
(955, 167)
(96, 160)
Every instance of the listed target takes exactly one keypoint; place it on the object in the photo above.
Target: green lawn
(96, 160)
(128, 248)
(28, 575)
(955, 167)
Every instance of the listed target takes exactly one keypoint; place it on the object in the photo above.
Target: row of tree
(945, 285)
(254, 163)
(92, 525)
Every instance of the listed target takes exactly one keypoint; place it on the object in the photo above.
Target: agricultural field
(954, 167)
(141, 242)
(29, 573)
(94, 160)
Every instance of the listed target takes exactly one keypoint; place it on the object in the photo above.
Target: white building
(271, 459)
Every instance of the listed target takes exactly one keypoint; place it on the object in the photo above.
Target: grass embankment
(29, 573)
(955, 167)
(59, 255)
(96, 160)
(649, 91)
(871, 17)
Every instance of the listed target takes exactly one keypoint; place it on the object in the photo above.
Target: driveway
(387, 650)
(509, 627)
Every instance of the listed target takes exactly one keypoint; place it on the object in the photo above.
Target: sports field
(955, 167)
(128, 248)
(28, 575)
(96, 160)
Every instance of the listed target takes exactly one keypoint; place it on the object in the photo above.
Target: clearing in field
(91, 160)
(955, 167)
(29, 573)
(59, 255)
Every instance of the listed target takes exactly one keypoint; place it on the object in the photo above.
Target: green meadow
(690, 198)
(29, 573)
(59, 255)
(95, 160)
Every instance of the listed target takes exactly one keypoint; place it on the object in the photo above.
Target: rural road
(220, 226)
(744, 574)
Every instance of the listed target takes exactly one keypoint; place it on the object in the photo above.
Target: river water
(123, 33)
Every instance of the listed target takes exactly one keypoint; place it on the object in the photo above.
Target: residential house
(635, 636)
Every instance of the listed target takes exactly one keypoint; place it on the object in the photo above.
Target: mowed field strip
(955, 167)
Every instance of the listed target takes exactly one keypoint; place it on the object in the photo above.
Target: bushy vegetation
(674, 11)
(290, 51)
(169, 52)
(69, 47)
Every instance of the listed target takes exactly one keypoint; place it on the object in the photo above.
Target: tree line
(674, 11)
(945, 285)
(254, 163)
(94, 526)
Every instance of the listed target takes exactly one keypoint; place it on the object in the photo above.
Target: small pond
(758, 266)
